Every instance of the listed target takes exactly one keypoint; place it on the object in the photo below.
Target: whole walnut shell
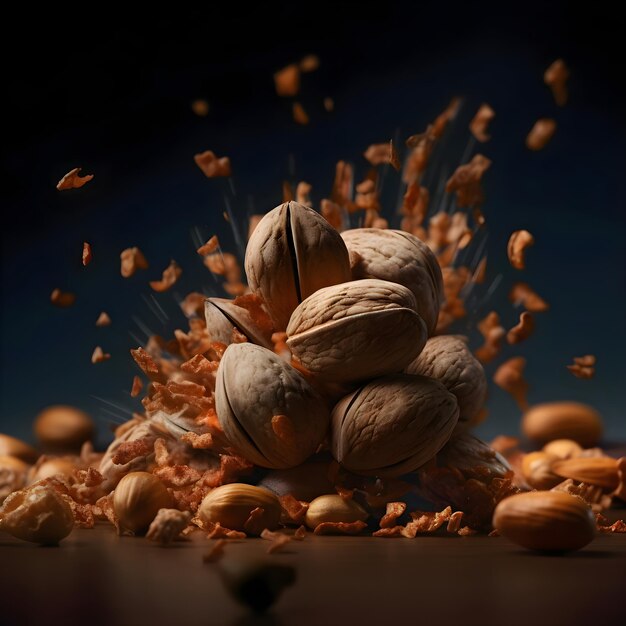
(392, 425)
(399, 257)
(447, 359)
(356, 330)
(270, 414)
(292, 253)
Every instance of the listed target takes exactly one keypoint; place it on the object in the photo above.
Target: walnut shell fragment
(540, 134)
(392, 425)
(401, 258)
(447, 358)
(356, 330)
(223, 316)
(291, 254)
(518, 242)
(268, 411)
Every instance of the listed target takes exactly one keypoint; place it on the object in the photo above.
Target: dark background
(111, 93)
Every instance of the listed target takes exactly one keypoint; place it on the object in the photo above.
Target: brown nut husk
(291, 254)
(137, 500)
(63, 428)
(11, 446)
(600, 471)
(563, 420)
(270, 414)
(537, 470)
(398, 257)
(334, 508)
(472, 456)
(392, 425)
(222, 316)
(231, 505)
(448, 359)
(357, 331)
(545, 520)
(38, 514)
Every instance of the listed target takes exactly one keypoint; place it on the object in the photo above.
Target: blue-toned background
(113, 96)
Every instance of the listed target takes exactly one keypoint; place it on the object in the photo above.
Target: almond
(600, 471)
(563, 420)
(563, 448)
(545, 520)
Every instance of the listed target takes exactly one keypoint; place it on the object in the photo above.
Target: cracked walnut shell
(270, 414)
(399, 257)
(392, 425)
(357, 330)
(291, 254)
(447, 358)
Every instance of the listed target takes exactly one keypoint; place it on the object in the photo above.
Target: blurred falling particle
(103, 319)
(63, 299)
(211, 165)
(540, 134)
(309, 63)
(87, 253)
(300, 116)
(287, 81)
(72, 180)
(99, 356)
(329, 104)
(200, 107)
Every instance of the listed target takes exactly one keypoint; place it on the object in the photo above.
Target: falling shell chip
(518, 242)
(72, 180)
(540, 134)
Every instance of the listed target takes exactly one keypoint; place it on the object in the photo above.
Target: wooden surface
(96, 578)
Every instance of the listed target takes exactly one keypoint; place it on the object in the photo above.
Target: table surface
(96, 578)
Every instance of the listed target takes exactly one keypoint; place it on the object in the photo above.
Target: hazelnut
(10, 446)
(137, 500)
(334, 508)
(63, 428)
(12, 475)
(563, 448)
(38, 514)
(47, 467)
(231, 505)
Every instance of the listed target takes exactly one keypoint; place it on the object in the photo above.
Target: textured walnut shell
(255, 385)
(545, 520)
(223, 315)
(474, 457)
(563, 420)
(399, 257)
(291, 254)
(356, 330)
(447, 359)
(392, 425)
